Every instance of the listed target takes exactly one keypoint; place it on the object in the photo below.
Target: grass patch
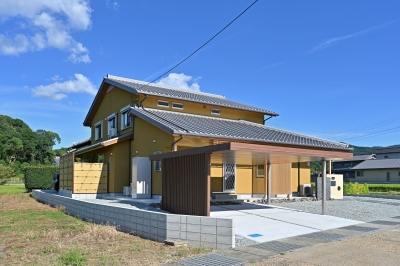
(33, 233)
(75, 256)
(12, 190)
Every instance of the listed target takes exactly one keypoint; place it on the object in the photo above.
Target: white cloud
(181, 81)
(115, 6)
(58, 90)
(342, 38)
(50, 23)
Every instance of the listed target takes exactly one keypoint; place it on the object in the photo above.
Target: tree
(44, 147)
(6, 172)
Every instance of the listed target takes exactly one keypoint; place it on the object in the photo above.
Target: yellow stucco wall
(204, 109)
(144, 134)
(113, 101)
(244, 182)
(216, 178)
(304, 172)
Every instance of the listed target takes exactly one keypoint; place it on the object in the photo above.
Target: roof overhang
(253, 154)
(105, 143)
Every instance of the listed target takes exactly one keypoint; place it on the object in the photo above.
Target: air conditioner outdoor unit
(112, 132)
(306, 190)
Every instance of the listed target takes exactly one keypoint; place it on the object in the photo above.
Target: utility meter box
(336, 186)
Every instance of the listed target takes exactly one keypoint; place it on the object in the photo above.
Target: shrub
(6, 172)
(383, 187)
(355, 188)
(39, 177)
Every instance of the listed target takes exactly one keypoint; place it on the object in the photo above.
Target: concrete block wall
(198, 231)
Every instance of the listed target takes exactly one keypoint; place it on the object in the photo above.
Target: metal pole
(269, 184)
(323, 187)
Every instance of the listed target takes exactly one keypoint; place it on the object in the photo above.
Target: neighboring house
(387, 153)
(378, 171)
(344, 167)
(132, 120)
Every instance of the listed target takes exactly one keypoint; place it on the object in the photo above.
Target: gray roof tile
(378, 164)
(387, 150)
(137, 86)
(196, 125)
(359, 158)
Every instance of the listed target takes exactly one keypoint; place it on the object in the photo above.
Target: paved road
(373, 243)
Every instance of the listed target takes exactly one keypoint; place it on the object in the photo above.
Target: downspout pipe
(267, 119)
(174, 143)
(141, 102)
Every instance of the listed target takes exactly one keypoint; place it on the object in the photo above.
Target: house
(378, 171)
(387, 153)
(133, 122)
(344, 167)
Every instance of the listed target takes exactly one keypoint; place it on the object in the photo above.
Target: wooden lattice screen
(66, 171)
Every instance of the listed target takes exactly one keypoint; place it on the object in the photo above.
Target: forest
(20, 146)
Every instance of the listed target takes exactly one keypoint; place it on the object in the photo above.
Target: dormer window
(215, 111)
(163, 104)
(177, 106)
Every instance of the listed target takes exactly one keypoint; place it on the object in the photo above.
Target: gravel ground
(364, 209)
(241, 241)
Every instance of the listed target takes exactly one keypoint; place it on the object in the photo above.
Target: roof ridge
(166, 87)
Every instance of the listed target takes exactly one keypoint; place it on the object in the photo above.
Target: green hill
(359, 150)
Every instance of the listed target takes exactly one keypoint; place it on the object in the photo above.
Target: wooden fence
(82, 178)
(186, 184)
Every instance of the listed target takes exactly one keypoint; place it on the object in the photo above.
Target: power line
(198, 49)
(377, 133)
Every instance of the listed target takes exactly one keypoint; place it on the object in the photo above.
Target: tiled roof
(196, 125)
(137, 86)
(359, 158)
(80, 142)
(378, 164)
(387, 150)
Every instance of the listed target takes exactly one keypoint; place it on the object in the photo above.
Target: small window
(112, 125)
(100, 158)
(163, 104)
(388, 176)
(126, 120)
(260, 170)
(177, 105)
(98, 129)
(360, 173)
(157, 164)
(399, 173)
(215, 111)
(386, 156)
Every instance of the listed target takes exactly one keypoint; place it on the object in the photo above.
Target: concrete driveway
(263, 223)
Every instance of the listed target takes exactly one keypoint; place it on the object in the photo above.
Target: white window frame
(215, 109)
(110, 117)
(257, 173)
(157, 164)
(96, 136)
(159, 101)
(124, 111)
(180, 108)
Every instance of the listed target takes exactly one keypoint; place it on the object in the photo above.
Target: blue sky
(330, 69)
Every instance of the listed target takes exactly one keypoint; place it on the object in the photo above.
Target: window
(100, 158)
(177, 105)
(157, 164)
(98, 129)
(126, 120)
(260, 170)
(360, 173)
(388, 176)
(112, 125)
(386, 156)
(399, 173)
(215, 111)
(163, 104)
